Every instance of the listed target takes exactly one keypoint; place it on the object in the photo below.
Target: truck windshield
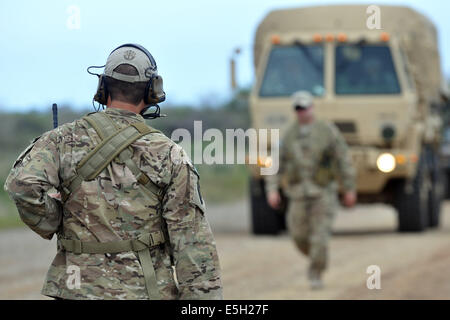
(293, 68)
(365, 69)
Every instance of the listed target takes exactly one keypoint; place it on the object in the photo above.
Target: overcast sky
(43, 60)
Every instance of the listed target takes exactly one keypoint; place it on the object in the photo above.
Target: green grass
(9, 217)
(223, 183)
(10, 222)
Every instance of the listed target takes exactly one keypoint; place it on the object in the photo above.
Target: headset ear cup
(154, 92)
(101, 96)
(148, 93)
(158, 89)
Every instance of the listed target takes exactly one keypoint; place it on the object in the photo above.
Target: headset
(154, 92)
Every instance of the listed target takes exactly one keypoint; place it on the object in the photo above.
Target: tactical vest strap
(140, 176)
(141, 246)
(102, 124)
(115, 142)
(105, 152)
(143, 242)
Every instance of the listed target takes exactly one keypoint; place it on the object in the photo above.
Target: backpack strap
(115, 142)
(102, 124)
(105, 126)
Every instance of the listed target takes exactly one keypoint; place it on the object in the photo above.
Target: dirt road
(413, 266)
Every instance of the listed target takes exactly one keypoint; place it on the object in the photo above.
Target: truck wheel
(411, 201)
(265, 220)
(447, 184)
(436, 193)
(434, 208)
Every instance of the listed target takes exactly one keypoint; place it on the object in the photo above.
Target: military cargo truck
(380, 87)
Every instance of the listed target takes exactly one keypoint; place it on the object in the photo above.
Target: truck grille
(346, 127)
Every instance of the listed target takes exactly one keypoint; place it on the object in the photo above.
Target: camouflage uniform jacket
(113, 207)
(311, 158)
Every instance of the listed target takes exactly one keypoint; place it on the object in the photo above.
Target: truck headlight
(265, 162)
(386, 162)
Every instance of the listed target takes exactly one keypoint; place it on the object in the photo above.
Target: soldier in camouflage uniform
(127, 241)
(312, 154)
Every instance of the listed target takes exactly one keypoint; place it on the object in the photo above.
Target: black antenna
(55, 115)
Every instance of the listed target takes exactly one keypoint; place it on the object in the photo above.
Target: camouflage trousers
(309, 222)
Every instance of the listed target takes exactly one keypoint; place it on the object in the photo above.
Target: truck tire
(437, 191)
(411, 200)
(434, 208)
(265, 220)
(447, 184)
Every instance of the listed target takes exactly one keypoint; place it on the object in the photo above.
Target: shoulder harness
(115, 142)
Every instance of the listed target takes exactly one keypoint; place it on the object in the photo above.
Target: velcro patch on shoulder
(197, 198)
(25, 152)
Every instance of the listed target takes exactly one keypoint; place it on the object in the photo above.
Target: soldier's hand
(349, 199)
(274, 199)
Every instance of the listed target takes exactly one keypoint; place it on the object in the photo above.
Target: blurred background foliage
(219, 183)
